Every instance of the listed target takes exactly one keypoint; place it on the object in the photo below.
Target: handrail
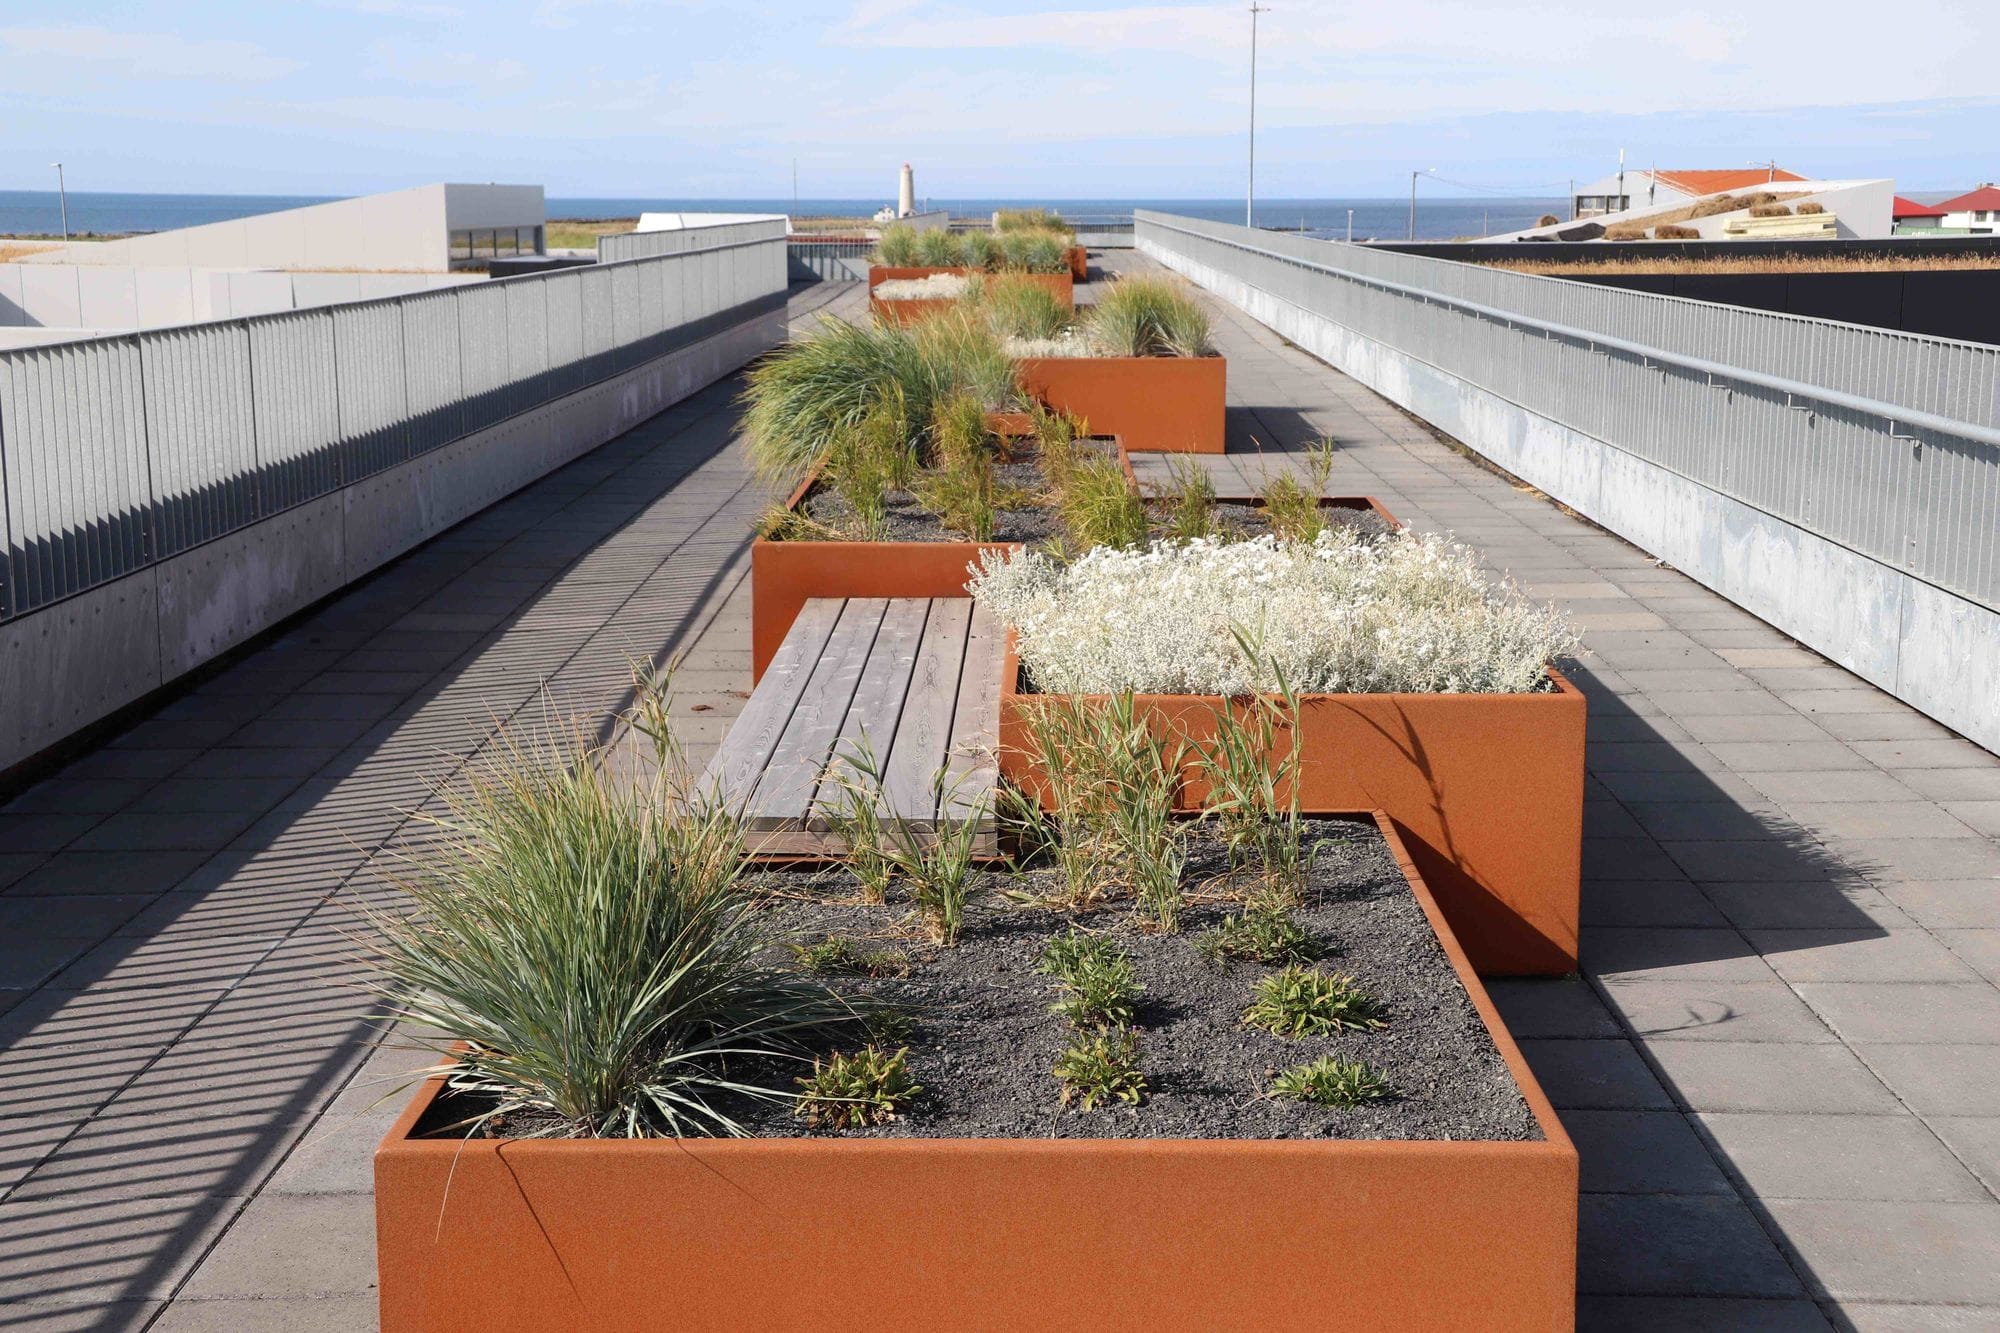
(1893, 413)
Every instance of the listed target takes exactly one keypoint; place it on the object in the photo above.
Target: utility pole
(1250, 186)
(1350, 226)
(1413, 197)
(1621, 179)
(62, 193)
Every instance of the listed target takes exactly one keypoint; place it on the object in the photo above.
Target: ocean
(36, 212)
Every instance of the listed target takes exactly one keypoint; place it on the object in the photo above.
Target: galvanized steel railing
(651, 244)
(1885, 442)
(116, 453)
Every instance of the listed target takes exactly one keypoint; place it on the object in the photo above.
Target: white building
(429, 229)
(1636, 189)
(1977, 213)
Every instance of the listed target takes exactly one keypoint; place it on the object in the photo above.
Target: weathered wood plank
(972, 768)
(732, 776)
(878, 700)
(924, 731)
(792, 772)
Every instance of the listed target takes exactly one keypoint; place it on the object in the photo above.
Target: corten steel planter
(1159, 404)
(1079, 263)
(1486, 789)
(590, 1236)
(910, 312)
(785, 574)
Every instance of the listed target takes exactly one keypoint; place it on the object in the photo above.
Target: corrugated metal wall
(118, 452)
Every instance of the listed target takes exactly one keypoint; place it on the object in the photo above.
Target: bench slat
(792, 773)
(973, 768)
(878, 700)
(733, 774)
(924, 732)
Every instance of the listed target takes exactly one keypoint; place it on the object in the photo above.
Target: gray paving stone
(1661, 1245)
(1594, 1074)
(1865, 954)
(1976, 1141)
(1965, 1011)
(1949, 752)
(103, 1249)
(293, 1245)
(1771, 1076)
(1620, 954)
(1979, 948)
(301, 1314)
(1936, 1079)
(1930, 1251)
(1647, 902)
(1734, 1011)
(1551, 1007)
(1921, 858)
(1955, 784)
(1642, 1152)
(1787, 756)
(1878, 819)
(1888, 1157)
(1887, 1317)
(1865, 784)
(154, 831)
(1805, 905)
(1709, 1314)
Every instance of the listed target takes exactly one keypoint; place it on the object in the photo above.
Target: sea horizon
(39, 212)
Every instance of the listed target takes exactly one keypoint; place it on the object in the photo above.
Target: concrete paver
(1780, 1063)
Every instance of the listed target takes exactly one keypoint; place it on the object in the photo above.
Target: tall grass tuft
(586, 938)
(802, 396)
(938, 248)
(1016, 308)
(959, 484)
(979, 250)
(898, 246)
(1147, 316)
(1031, 219)
(1097, 506)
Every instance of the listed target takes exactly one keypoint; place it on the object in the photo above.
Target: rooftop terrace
(1781, 1063)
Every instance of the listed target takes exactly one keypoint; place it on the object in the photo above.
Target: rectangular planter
(910, 312)
(1079, 263)
(785, 574)
(1486, 789)
(933, 1234)
(1158, 404)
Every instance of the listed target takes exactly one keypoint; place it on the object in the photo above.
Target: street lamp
(1427, 171)
(62, 193)
(1350, 226)
(1250, 188)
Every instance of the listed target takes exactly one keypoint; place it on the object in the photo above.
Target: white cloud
(152, 55)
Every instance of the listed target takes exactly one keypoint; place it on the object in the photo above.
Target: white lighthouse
(906, 195)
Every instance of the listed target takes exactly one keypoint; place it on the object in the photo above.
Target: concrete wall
(1935, 650)
(80, 659)
(401, 230)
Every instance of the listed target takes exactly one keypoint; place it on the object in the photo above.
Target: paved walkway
(1783, 1065)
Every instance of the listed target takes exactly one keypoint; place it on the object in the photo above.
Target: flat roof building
(1646, 188)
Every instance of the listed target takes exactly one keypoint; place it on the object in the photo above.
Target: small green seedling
(1331, 1081)
(850, 1091)
(1270, 937)
(1075, 949)
(1100, 995)
(836, 955)
(1301, 1001)
(1101, 1066)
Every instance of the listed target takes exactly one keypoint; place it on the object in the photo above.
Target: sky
(987, 98)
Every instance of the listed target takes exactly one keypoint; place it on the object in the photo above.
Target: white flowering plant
(1405, 614)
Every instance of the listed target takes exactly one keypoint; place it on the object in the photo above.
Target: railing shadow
(154, 1091)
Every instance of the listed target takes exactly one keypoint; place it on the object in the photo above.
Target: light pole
(1427, 171)
(1350, 226)
(62, 193)
(1250, 187)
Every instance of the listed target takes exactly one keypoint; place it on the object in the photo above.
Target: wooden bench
(917, 679)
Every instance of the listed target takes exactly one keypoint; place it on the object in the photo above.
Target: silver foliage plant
(1406, 614)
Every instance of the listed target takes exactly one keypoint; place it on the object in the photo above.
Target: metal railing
(651, 244)
(830, 258)
(116, 453)
(1884, 442)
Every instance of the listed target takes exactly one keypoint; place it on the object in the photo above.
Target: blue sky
(694, 98)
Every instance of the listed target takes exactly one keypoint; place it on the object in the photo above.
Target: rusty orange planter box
(1079, 263)
(910, 312)
(1486, 789)
(592, 1236)
(1159, 404)
(785, 574)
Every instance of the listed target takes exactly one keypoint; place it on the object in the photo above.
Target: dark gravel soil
(985, 1041)
(908, 520)
(1247, 520)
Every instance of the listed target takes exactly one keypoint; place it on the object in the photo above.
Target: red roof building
(1696, 183)
(1902, 210)
(1984, 199)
